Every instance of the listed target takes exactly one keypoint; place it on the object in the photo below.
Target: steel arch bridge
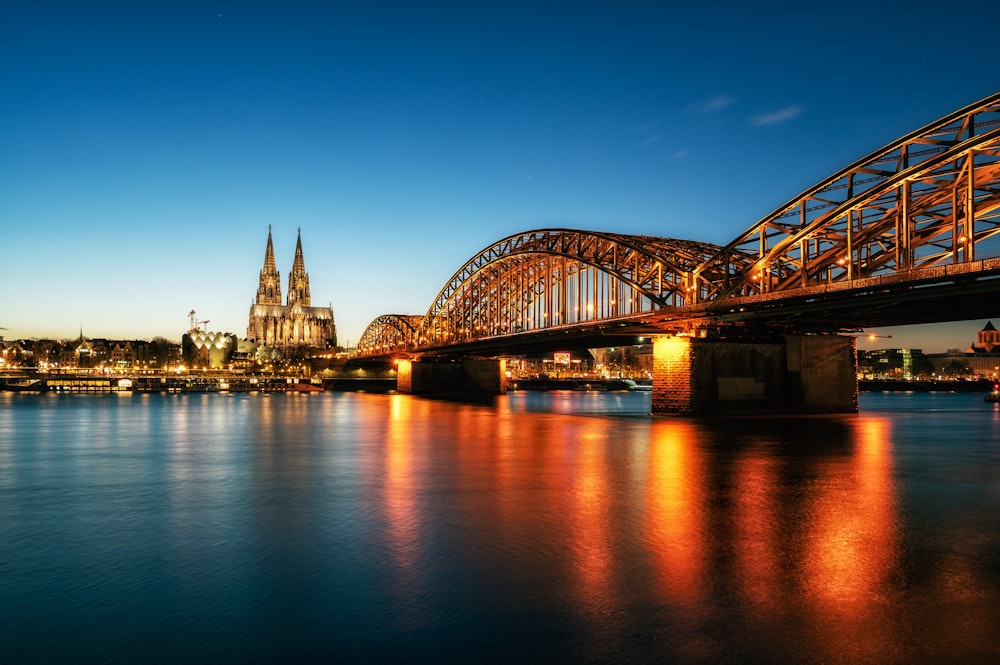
(928, 200)
(391, 332)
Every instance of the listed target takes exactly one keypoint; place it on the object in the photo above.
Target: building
(296, 323)
(980, 361)
(987, 340)
(900, 364)
(205, 349)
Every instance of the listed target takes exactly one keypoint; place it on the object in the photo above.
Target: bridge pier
(795, 374)
(465, 377)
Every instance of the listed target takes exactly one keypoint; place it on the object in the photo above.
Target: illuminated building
(293, 324)
(207, 349)
(987, 340)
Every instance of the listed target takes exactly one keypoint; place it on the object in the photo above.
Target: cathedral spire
(269, 289)
(269, 263)
(297, 324)
(298, 278)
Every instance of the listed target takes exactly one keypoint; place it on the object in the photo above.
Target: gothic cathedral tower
(269, 291)
(298, 278)
(295, 324)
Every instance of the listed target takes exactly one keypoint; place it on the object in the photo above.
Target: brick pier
(793, 374)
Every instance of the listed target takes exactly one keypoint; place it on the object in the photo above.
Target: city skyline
(148, 148)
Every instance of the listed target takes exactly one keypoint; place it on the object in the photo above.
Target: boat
(993, 396)
(304, 386)
(23, 385)
(640, 387)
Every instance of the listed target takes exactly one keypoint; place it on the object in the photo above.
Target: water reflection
(850, 529)
(382, 528)
(677, 525)
(400, 494)
(757, 563)
(589, 513)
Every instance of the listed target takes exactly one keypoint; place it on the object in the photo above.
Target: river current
(534, 528)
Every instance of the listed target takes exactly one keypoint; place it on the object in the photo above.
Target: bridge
(908, 234)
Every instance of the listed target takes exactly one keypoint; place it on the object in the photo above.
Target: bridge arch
(927, 201)
(929, 198)
(552, 277)
(388, 333)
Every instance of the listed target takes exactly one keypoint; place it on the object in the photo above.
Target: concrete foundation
(799, 374)
(466, 377)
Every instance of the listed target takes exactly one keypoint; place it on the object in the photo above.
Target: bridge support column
(795, 374)
(673, 387)
(465, 377)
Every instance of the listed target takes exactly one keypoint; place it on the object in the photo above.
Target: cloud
(649, 133)
(775, 117)
(681, 154)
(711, 105)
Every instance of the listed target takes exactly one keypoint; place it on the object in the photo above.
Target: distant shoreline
(244, 383)
(925, 386)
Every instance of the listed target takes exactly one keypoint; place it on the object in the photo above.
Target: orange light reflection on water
(399, 490)
(851, 530)
(755, 526)
(592, 550)
(851, 548)
(677, 512)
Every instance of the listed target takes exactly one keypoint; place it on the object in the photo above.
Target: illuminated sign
(561, 358)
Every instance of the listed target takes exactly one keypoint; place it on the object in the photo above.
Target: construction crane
(205, 322)
(191, 316)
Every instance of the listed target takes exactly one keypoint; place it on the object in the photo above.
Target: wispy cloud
(711, 105)
(775, 117)
(681, 154)
(649, 133)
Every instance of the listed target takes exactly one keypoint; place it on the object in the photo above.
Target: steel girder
(552, 277)
(388, 333)
(930, 198)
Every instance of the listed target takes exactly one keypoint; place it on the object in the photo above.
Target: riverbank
(243, 383)
(925, 386)
(98, 383)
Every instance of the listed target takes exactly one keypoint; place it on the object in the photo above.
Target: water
(386, 528)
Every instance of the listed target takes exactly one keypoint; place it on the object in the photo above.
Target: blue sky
(147, 146)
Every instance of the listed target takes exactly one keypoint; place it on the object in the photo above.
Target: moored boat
(641, 387)
(23, 384)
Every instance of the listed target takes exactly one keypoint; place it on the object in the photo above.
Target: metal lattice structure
(929, 199)
(389, 332)
(560, 277)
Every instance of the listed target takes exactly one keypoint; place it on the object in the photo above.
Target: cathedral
(293, 324)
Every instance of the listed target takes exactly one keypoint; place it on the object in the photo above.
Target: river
(536, 527)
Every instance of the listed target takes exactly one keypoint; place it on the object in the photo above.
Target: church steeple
(298, 278)
(269, 290)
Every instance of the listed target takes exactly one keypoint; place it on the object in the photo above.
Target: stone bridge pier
(695, 376)
(462, 377)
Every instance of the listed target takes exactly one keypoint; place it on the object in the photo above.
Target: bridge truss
(559, 277)
(927, 200)
(390, 332)
(930, 198)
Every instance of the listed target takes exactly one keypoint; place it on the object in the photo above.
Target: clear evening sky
(145, 147)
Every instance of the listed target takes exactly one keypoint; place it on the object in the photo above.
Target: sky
(146, 147)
